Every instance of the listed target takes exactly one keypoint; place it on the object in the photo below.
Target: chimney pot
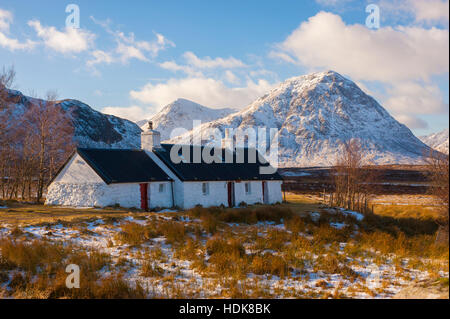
(150, 139)
(227, 142)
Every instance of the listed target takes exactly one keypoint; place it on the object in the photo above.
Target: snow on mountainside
(438, 141)
(314, 114)
(92, 128)
(180, 114)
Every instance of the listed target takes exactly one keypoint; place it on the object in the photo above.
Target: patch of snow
(315, 216)
(298, 174)
(338, 225)
(439, 141)
(167, 211)
(358, 216)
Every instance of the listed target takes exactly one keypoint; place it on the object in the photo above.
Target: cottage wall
(178, 186)
(275, 194)
(79, 185)
(101, 195)
(255, 195)
(160, 199)
(77, 171)
(216, 196)
(75, 194)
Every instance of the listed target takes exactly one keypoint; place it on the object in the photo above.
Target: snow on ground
(288, 173)
(374, 279)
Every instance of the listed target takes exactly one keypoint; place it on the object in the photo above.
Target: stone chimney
(227, 142)
(150, 139)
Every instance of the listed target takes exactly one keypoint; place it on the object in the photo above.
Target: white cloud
(99, 56)
(401, 60)
(132, 113)
(14, 44)
(387, 54)
(277, 55)
(415, 98)
(231, 77)
(411, 121)
(206, 91)
(6, 19)
(174, 67)
(128, 52)
(129, 48)
(209, 63)
(70, 40)
(195, 66)
(430, 12)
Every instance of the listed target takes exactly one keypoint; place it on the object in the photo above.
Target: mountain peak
(91, 128)
(315, 114)
(438, 141)
(181, 113)
(318, 77)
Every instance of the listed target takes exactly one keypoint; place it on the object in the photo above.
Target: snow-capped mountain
(314, 114)
(180, 114)
(438, 141)
(92, 128)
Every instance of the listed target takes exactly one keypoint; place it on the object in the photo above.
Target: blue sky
(132, 58)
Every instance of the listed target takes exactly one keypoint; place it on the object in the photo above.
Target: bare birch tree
(439, 171)
(49, 132)
(7, 78)
(354, 182)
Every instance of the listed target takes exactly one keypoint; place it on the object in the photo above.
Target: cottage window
(161, 188)
(248, 189)
(205, 188)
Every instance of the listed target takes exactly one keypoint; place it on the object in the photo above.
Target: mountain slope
(92, 128)
(438, 141)
(314, 114)
(180, 114)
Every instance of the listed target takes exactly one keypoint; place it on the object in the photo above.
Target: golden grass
(228, 257)
(407, 211)
(27, 214)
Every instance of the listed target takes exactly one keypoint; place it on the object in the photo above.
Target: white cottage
(153, 177)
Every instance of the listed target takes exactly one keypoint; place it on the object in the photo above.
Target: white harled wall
(78, 185)
(193, 194)
(275, 194)
(178, 186)
(255, 195)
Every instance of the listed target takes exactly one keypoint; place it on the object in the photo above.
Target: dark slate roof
(123, 166)
(190, 171)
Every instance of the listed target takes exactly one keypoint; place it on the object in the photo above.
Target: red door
(230, 194)
(264, 192)
(144, 196)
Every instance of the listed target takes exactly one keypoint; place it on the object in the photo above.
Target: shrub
(220, 246)
(209, 223)
(173, 231)
(295, 224)
(248, 215)
(269, 264)
(31, 257)
(150, 270)
(133, 234)
(227, 258)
